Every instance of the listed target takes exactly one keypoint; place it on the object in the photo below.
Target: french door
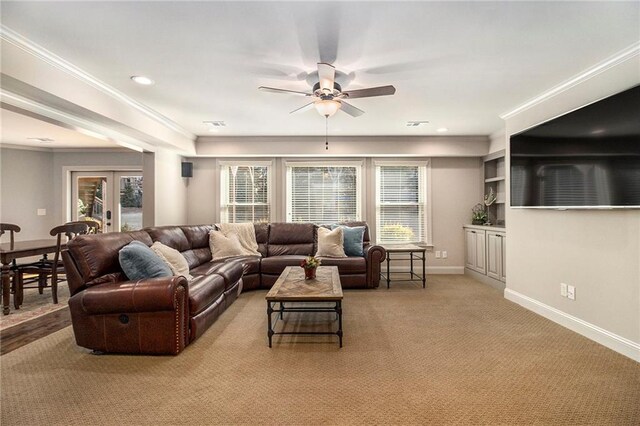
(113, 199)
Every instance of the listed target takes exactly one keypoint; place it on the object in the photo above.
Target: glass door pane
(91, 200)
(130, 201)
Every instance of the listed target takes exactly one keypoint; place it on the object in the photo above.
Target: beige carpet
(455, 353)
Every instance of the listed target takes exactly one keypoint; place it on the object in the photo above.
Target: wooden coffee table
(292, 287)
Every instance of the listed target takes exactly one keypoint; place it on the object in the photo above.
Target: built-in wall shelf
(494, 180)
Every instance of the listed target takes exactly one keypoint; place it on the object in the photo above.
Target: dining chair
(54, 267)
(12, 229)
(93, 227)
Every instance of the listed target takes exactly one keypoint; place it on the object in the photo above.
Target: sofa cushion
(230, 270)
(140, 262)
(331, 242)
(365, 238)
(196, 257)
(346, 265)
(171, 236)
(173, 259)
(223, 247)
(353, 239)
(197, 235)
(97, 254)
(291, 239)
(262, 237)
(250, 264)
(276, 264)
(203, 291)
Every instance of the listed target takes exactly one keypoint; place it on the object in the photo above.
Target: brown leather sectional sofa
(163, 315)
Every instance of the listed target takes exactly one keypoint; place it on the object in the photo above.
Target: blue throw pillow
(139, 262)
(353, 239)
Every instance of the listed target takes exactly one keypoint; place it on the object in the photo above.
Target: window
(401, 203)
(321, 193)
(246, 192)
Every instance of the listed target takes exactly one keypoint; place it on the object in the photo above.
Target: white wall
(26, 180)
(598, 252)
(455, 190)
(170, 189)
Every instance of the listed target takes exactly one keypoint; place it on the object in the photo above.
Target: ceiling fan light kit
(327, 107)
(327, 95)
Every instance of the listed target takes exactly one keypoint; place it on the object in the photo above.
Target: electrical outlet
(563, 290)
(437, 254)
(42, 212)
(571, 292)
(444, 254)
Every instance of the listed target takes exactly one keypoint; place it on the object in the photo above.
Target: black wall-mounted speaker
(187, 169)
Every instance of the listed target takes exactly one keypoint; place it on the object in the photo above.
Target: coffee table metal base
(282, 309)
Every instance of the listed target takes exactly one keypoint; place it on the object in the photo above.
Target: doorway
(111, 198)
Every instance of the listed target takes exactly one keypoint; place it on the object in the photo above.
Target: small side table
(415, 253)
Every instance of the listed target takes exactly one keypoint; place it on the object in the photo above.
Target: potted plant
(310, 264)
(478, 214)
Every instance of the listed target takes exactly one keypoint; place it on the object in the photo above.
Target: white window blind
(323, 193)
(401, 203)
(245, 193)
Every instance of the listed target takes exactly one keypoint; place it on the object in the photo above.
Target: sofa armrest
(375, 255)
(149, 295)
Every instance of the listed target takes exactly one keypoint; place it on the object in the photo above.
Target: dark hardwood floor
(19, 335)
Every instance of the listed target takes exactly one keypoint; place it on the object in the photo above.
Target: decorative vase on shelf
(477, 222)
(310, 273)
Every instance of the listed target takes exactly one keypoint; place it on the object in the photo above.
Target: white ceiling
(16, 128)
(456, 64)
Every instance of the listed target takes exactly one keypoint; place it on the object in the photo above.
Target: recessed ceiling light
(141, 79)
(41, 140)
(442, 130)
(416, 123)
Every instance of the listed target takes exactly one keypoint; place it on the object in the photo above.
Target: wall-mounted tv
(588, 158)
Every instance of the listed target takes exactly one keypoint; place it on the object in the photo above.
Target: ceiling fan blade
(350, 109)
(303, 108)
(275, 90)
(372, 91)
(326, 75)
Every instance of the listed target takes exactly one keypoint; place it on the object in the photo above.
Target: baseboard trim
(612, 341)
(485, 279)
(431, 270)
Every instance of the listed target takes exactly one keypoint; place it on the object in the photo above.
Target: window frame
(360, 184)
(223, 164)
(428, 216)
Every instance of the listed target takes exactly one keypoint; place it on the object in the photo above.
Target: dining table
(17, 250)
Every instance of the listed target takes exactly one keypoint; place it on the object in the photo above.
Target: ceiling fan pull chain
(326, 132)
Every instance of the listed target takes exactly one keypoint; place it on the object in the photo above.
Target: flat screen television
(588, 158)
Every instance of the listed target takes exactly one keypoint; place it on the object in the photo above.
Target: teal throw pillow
(353, 239)
(139, 262)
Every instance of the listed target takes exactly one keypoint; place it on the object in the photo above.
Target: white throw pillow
(223, 246)
(331, 243)
(173, 258)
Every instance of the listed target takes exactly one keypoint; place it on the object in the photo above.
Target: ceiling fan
(328, 97)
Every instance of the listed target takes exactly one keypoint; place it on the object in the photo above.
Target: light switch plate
(42, 212)
(444, 254)
(437, 254)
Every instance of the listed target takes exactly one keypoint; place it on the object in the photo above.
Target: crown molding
(618, 58)
(34, 109)
(25, 147)
(10, 36)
